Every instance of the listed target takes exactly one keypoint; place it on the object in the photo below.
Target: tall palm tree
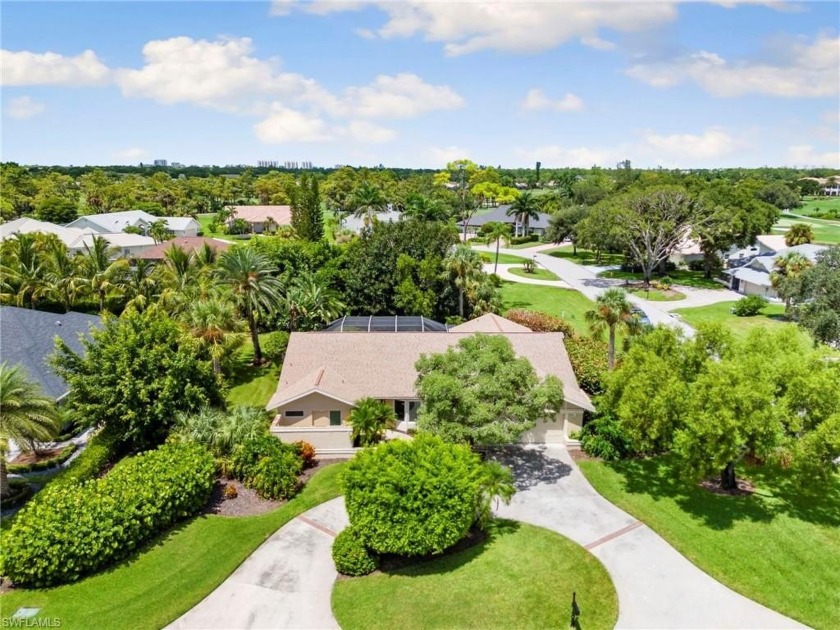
(799, 234)
(612, 309)
(63, 277)
(310, 300)
(367, 200)
(256, 290)
(101, 275)
(141, 283)
(422, 208)
(216, 324)
(26, 415)
(497, 231)
(159, 231)
(465, 263)
(524, 208)
(369, 418)
(787, 270)
(23, 271)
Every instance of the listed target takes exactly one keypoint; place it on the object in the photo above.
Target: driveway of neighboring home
(657, 587)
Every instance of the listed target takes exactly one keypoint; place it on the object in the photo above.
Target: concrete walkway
(286, 583)
(657, 587)
(504, 273)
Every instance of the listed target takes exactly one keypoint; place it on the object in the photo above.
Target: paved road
(657, 587)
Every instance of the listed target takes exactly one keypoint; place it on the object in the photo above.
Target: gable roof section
(27, 339)
(282, 215)
(489, 323)
(382, 365)
(500, 214)
(115, 222)
(73, 238)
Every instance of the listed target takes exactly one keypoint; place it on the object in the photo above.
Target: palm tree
(63, 277)
(367, 200)
(26, 415)
(256, 290)
(497, 231)
(422, 208)
(101, 275)
(309, 298)
(23, 271)
(524, 208)
(369, 418)
(140, 282)
(799, 234)
(159, 231)
(465, 263)
(613, 309)
(216, 324)
(786, 273)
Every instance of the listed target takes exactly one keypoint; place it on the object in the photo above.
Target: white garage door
(545, 433)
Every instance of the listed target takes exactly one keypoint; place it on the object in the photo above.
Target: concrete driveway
(657, 587)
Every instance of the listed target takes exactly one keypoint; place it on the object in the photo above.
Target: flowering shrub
(70, 530)
(307, 453)
(540, 322)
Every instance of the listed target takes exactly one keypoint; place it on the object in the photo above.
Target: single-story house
(187, 243)
(324, 373)
(262, 218)
(535, 226)
(355, 224)
(753, 278)
(27, 338)
(77, 239)
(116, 222)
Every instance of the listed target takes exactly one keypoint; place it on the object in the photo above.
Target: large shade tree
(816, 298)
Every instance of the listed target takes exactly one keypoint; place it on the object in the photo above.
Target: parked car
(644, 320)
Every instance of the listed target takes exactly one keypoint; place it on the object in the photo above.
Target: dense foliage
(540, 322)
(418, 497)
(480, 392)
(68, 531)
(816, 301)
(268, 466)
(350, 555)
(588, 356)
(369, 419)
(220, 432)
(749, 306)
(137, 373)
(604, 438)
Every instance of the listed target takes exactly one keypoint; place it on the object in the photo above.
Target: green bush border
(63, 456)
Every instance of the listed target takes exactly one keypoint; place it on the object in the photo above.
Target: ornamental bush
(414, 497)
(749, 306)
(274, 345)
(71, 530)
(540, 322)
(268, 466)
(350, 555)
(588, 357)
(605, 438)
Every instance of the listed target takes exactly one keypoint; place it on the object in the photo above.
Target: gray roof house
(535, 226)
(754, 277)
(27, 339)
(116, 222)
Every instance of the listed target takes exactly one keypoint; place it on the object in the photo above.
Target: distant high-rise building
(267, 163)
(160, 162)
(175, 165)
(306, 165)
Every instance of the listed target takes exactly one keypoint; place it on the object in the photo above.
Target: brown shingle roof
(349, 366)
(187, 243)
(282, 215)
(489, 323)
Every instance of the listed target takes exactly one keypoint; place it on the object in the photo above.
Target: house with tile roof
(324, 373)
(187, 243)
(262, 218)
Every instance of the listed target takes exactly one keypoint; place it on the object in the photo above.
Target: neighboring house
(535, 226)
(77, 239)
(116, 222)
(187, 243)
(687, 251)
(355, 224)
(324, 373)
(262, 218)
(753, 278)
(27, 338)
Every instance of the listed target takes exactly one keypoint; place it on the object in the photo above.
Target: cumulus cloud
(713, 143)
(24, 107)
(289, 125)
(807, 155)
(537, 100)
(443, 155)
(809, 71)
(28, 68)
(504, 25)
(400, 96)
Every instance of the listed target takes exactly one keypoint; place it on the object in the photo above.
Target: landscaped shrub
(350, 555)
(100, 451)
(604, 438)
(274, 345)
(68, 531)
(307, 453)
(540, 322)
(222, 431)
(589, 362)
(519, 240)
(268, 466)
(749, 306)
(59, 459)
(414, 497)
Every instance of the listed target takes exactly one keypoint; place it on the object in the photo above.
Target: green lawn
(811, 205)
(204, 220)
(585, 257)
(825, 232)
(683, 277)
(521, 577)
(504, 259)
(538, 274)
(779, 547)
(655, 295)
(252, 386)
(567, 304)
(167, 578)
(771, 317)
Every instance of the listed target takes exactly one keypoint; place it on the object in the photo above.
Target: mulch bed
(31, 457)
(579, 455)
(745, 488)
(247, 502)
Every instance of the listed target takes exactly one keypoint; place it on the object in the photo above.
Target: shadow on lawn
(777, 492)
(530, 467)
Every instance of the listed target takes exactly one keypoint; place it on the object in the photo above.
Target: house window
(293, 414)
(335, 418)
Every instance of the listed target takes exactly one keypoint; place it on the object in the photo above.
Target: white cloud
(24, 107)
(28, 68)
(713, 143)
(400, 96)
(579, 157)
(537, 100)
(131, 154)
(504, 25)
(811, 70)
(597, 43)
(440, 156)
(363, 131)
(806, 155)
(288, 125)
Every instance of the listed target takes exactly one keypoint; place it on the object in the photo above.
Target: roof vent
(58, 322)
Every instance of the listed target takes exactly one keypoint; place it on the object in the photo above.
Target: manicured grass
(655, 295)
(167, 578)
(825, 232)
(504, 259)
(249, 385)
(568, 304)
(771, 317)
(682, 277)
(779, 546)
(521, 577)
(585, 257)
(204, 221)
(538, 274)
(811, 205)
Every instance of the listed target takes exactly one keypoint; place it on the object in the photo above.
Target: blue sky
(410, 83)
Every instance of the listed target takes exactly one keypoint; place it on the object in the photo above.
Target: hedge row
(268, 466)
(100, 451)
(63, 456)
(70, 530)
